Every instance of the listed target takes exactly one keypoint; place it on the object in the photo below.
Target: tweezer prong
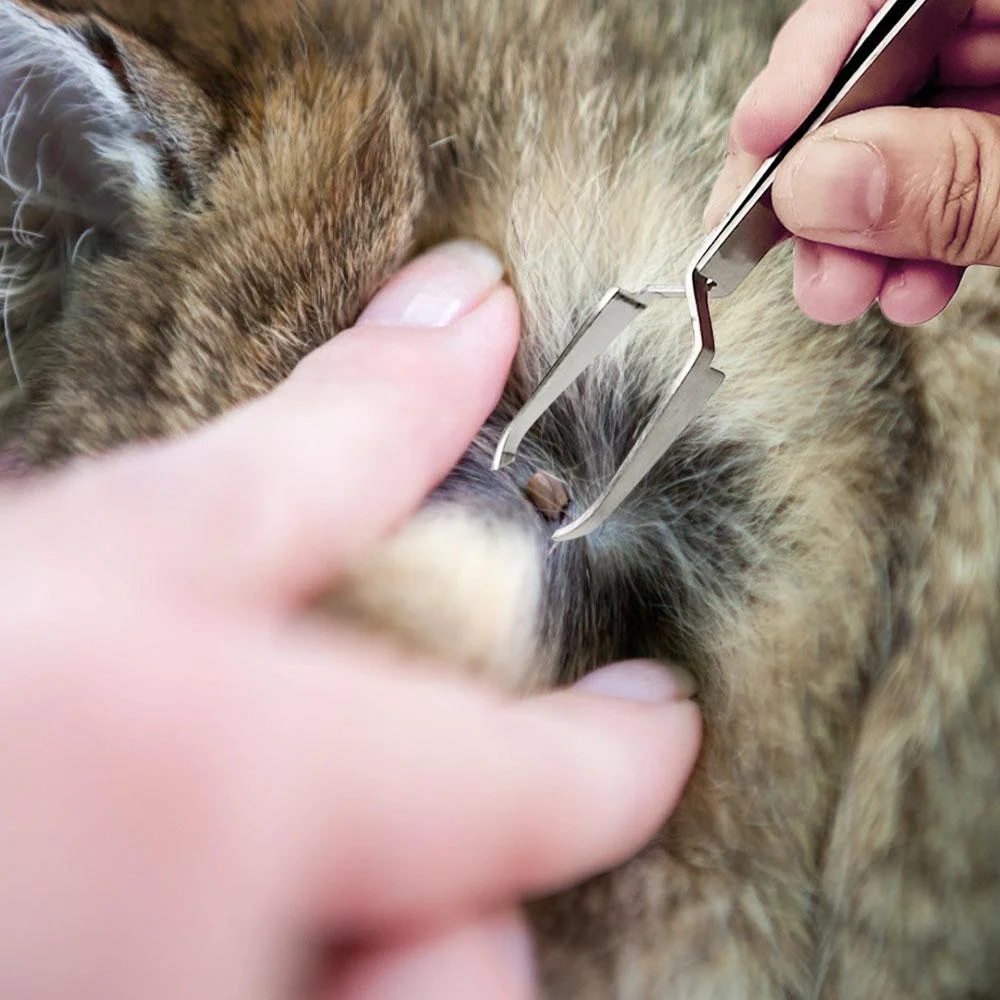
(689, 392)
(900, 40)
(615, 311)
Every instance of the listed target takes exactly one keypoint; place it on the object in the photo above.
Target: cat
(196, 193)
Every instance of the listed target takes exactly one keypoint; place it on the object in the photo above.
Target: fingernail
(834, 185)
(724, 192)
(719, 198)
(808, 264)
(736, 172)
(437, 288)
(641, 680)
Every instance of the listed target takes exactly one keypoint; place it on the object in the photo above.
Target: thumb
(909, 183)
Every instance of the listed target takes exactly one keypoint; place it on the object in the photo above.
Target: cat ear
(84, 154)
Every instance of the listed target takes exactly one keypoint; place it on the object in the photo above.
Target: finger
(422, 797)
(272, 501)
(985, 13)
(737, 172)
(906, 183)
(779, 99)
(489, 960)
(970, 59)
(833, 285)
(215, 796)
(916, 291)
(985, 99)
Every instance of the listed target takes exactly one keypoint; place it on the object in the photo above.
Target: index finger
(807, 53)
(986, 13)
(272, 502)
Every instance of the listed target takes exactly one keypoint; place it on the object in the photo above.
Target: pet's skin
(820, 549)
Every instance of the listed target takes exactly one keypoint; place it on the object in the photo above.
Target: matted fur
(820, 548)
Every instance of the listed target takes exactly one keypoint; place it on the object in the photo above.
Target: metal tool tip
(576, 529)
(590, 520)
(502, 459)
(506, 452)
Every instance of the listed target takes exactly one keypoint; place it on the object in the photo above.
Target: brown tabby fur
(820, 548)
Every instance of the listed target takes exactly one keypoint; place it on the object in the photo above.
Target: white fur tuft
(455, 585)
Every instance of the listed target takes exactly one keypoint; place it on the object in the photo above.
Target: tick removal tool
(889, 63)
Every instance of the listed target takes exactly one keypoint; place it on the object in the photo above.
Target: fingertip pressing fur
(820, 547)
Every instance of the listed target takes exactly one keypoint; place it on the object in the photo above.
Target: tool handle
(888, 64)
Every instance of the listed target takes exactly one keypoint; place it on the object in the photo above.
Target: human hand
(199, 784)
(889, 204)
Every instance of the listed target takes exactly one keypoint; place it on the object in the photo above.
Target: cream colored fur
(820, 548)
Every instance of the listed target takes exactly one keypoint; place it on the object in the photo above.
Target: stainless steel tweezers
(891, 60)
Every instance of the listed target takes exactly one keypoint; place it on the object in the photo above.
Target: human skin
(889, 204)
(200, 783)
